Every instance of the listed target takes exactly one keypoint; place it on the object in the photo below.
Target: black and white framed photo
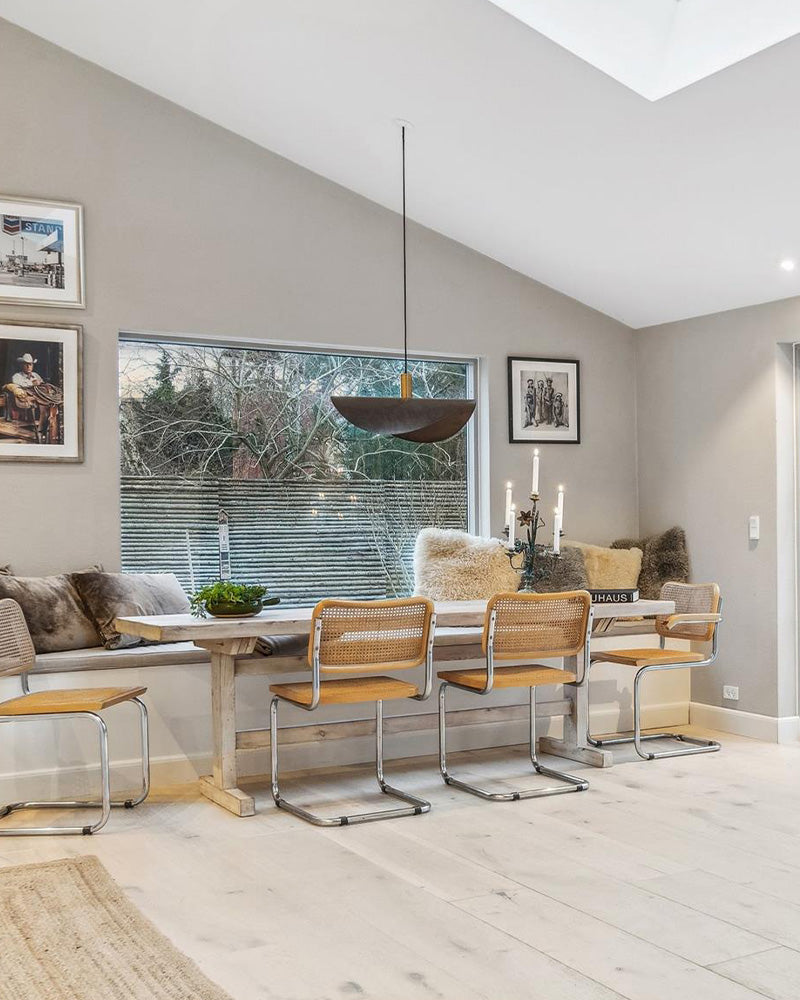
(41, 393)
(41, 253)
(543, 400)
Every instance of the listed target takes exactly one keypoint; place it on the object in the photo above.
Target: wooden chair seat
(346, 692)
(62, 702)
(646, 657)
(509, 677)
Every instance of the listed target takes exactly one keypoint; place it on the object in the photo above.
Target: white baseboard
(606, 720)
(771, 729)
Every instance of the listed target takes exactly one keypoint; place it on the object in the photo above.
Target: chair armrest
(672, 621)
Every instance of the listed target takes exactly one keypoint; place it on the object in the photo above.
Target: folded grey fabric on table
(282, 645)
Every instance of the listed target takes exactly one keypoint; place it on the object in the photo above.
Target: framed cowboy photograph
(41, 393)
(41, 253)
(543, 400)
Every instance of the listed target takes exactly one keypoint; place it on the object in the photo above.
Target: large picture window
(234, 461)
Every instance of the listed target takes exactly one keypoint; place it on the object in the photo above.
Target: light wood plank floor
(666, 880)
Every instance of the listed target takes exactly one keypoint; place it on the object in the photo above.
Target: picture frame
(543, 401)
(41, 253)
(41, 392)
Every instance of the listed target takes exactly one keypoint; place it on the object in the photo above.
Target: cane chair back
(358, 635)
(17, 654)
(690, 598)
(537, 626)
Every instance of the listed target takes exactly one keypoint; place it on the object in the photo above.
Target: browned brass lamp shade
(407, 417)
(413, 419)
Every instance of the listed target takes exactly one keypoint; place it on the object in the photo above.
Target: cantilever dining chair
(359, 637)
(17, 656)
(523, 627)
(697, 618)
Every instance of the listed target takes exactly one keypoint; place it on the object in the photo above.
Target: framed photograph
(41, 253)
(544, 401)
(41, 393)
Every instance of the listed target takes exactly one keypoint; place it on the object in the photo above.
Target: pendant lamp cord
(405, 279)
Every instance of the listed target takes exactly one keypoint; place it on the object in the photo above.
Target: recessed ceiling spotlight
(788, 264)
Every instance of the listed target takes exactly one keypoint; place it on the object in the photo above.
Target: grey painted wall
(715, 446)
(715, 393)
(176, 206)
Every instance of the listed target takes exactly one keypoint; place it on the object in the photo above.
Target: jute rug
(68, 932)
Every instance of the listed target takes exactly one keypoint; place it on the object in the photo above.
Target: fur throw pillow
(666, 558)
(113, 595)
(456, 566)
(567, 572)
(53, 611)
(610, 569)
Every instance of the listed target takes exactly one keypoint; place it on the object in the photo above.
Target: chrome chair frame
(697, 745)
(570, 783)
(106, 803)
(416, 806)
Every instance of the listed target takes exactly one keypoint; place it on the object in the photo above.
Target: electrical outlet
(730, 692)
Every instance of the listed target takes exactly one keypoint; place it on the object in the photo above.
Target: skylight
(657, 47)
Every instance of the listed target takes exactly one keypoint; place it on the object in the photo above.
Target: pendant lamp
(408, 417)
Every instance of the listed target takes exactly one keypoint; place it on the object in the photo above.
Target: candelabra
(533, 570)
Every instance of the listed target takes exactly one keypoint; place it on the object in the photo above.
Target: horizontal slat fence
(302, 540)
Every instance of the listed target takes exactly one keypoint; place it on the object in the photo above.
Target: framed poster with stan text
(41, 253)
(41, 393)
(543, 401)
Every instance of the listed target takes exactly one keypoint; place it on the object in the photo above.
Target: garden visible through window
(235, 458)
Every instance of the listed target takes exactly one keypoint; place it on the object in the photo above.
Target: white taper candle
(509, 487)
(556, 531)
(512, 525)
(535, 475)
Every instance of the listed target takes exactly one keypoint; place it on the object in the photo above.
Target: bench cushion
(99, 658)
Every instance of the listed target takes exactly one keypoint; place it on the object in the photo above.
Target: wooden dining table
(457, 637)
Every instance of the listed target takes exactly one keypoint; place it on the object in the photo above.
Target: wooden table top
(296, 621)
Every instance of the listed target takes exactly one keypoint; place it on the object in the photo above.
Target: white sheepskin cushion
(455, 566)
(604, 568)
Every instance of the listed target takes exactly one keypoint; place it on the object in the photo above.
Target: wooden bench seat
(451, 644)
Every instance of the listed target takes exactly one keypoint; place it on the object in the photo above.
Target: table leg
(221, 785)
(574, 745)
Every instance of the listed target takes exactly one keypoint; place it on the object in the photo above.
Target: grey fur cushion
(53, 610)
(666, 558)
(111, 595)
(6, 570)
(567, 572)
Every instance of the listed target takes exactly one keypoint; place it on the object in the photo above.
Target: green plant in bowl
(225, 599)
